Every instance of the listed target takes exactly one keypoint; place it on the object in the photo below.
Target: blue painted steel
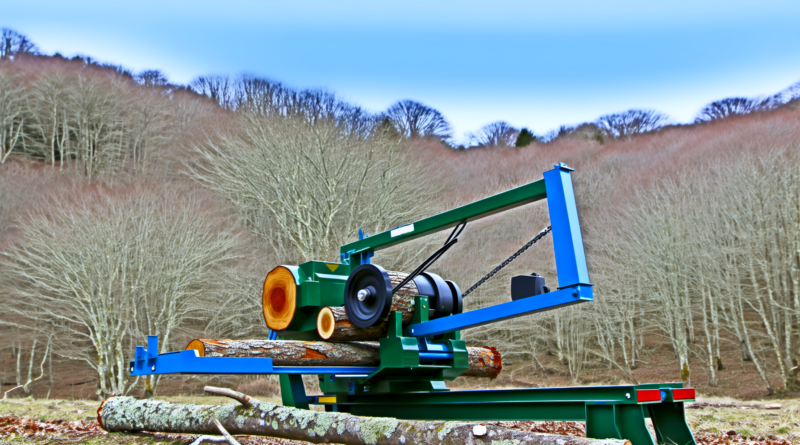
(567, 239)
(573, 275)
(273, 335)
(188, 362)
(479, 317)
(435, 356)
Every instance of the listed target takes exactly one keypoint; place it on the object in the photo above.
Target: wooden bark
(123, 414)
(403, 302)
(291, 352)
(483, 362)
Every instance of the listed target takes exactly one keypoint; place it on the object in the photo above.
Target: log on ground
(126, 414)
(483, 362)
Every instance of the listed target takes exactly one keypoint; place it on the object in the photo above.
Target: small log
(124, 414)
(333, 324)
(483, 362)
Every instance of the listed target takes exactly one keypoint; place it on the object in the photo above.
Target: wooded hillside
(131, 207)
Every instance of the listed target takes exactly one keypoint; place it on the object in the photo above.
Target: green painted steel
(617, 421)
(400, 369)
(293, 392)
(610, 412)
(510, 199)
(669, 421)
(319, 284)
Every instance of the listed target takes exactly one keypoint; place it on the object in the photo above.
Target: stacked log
(333, 324)
(483, 361)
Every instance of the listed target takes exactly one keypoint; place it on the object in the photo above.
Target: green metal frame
(610, 412)
(353, 253)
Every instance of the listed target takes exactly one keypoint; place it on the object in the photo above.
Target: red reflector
(648, 395)
(683, 394)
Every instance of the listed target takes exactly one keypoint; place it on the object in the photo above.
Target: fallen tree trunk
(254, 417)
(333, 324)
(483, 362)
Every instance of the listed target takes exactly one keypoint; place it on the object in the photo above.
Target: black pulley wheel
(458, 302)
(442, 301)
(367, 295)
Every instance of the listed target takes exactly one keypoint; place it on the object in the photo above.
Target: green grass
(749, 423)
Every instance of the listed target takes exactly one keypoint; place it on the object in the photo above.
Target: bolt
(153, 368)
(412, 331)
(362, 294)
(131, 368)
(627, 395)
(575, 294)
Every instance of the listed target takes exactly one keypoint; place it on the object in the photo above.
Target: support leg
(293, 392)
(669, 422)
(630, 419)
(617, 422)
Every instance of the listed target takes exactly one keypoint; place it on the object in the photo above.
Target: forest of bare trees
(130, 206)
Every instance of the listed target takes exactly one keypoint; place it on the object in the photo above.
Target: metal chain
(508, 261)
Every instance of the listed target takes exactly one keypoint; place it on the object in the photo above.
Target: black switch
(524, 286)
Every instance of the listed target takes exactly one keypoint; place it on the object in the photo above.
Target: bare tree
(151, 78)
(12, 114)
(791, 94)
(261, 96)
(49, 115)
(13, 43)
(632, 122)
(103, 272)
(496, 134)
(98, 112)
(415, 120)
(218, 88)
(308, 187)
(732, 106)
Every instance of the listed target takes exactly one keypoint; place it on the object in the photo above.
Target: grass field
(716, 421)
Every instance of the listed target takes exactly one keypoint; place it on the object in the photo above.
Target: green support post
(617, 421)
(293, 392)
(669, 421)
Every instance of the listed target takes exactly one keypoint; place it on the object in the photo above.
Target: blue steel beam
(500, 312)
(188, 362)
(567, 239)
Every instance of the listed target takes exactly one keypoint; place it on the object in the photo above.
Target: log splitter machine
(420, 345)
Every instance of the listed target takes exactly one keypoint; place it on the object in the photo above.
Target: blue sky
(533, 64)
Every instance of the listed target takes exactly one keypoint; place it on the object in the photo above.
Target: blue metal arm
(148, 361)
(573, 275)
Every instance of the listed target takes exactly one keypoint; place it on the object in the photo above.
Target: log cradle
(385, 343)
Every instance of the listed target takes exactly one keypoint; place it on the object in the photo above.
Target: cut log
(292, 353)
(279, 299)
(124, 414)
(483, 362)
(333, 324)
